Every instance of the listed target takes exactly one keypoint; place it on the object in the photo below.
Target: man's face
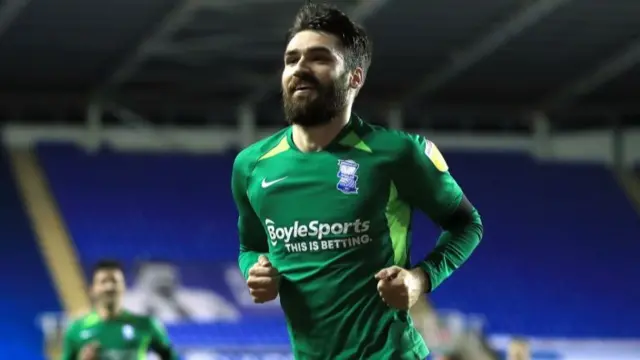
(108, 287)
(315, 81)
(519, 351)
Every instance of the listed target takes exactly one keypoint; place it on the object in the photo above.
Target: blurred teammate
(109, 332)
(518, 350)
(325, 206)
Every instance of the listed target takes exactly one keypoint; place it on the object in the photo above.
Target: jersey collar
(121, 315)
(352, 125)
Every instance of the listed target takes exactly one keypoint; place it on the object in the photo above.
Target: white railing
(598, 146)
(452, 325)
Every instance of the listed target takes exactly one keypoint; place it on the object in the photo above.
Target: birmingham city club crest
(348, 180)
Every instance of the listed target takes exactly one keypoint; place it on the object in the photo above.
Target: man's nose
(302, 66)
(110, 287)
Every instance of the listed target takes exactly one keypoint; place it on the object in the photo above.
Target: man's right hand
(89, 351)
(263, 281)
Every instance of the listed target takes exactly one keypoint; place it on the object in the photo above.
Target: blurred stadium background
(121, 120)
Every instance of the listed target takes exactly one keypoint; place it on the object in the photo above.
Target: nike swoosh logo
(266, 184)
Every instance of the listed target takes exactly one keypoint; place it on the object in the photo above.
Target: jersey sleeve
(70, 349)
(160, 343)
(423, 180)
(253, 239)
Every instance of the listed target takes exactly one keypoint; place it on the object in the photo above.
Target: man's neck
(108, 313)
(316, 138)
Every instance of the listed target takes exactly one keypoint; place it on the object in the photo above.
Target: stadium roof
(434, 59)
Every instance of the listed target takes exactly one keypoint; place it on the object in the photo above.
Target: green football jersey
(125, 337)
(330, 220)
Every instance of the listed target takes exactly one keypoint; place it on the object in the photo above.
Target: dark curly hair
(329, 19)
(105, 264)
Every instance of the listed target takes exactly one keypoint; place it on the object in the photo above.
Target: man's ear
(357, 78)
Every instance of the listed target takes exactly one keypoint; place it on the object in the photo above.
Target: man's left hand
(401, 288)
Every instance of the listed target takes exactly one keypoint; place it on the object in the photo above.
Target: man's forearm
(454, 247)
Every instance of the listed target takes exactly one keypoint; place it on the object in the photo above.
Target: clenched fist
(401, 288)
(89, 351)
(263, 281)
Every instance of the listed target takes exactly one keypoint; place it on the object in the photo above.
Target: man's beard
(108, 301)
(328, 102)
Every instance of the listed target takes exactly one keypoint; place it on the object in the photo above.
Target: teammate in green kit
(325, 206)
(110, 332)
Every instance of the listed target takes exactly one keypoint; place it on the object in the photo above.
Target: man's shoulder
(384, 138)
(78, 323)
(135, 316)
(254, 152)
(405, 147)
(139, 320)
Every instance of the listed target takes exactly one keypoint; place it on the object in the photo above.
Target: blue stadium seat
(246, 334)
(558, 259)
(132, 206)
(555, 235)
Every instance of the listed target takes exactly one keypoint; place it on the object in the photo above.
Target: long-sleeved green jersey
(125, 337)
(329, 220)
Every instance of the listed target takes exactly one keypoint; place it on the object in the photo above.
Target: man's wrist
(421, 278)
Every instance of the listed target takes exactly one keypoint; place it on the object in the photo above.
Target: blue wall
(560, 250)
(558, 258)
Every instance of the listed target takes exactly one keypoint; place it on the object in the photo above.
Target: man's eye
(321, 59)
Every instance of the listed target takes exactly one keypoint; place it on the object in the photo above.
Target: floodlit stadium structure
(455, 64)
